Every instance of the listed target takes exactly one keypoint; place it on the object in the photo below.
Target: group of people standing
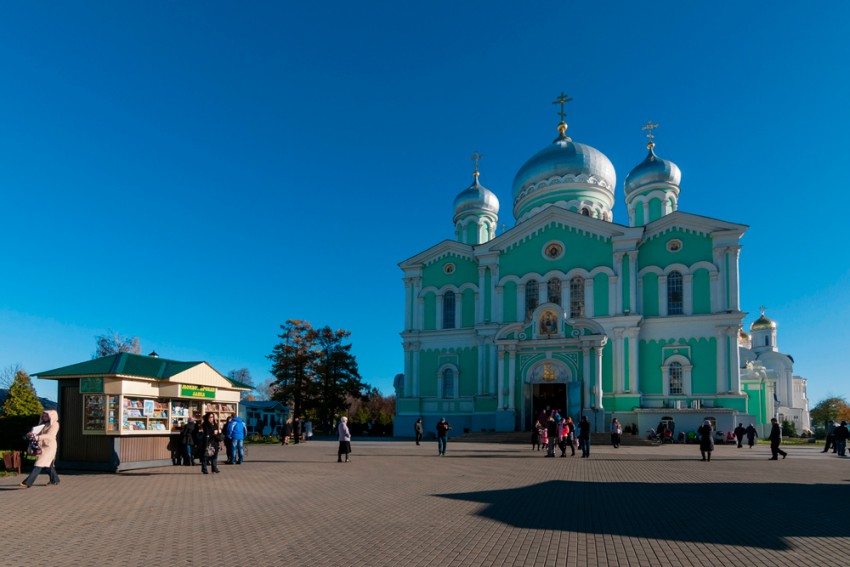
(836, 437)
(551, 429)
(203, 442)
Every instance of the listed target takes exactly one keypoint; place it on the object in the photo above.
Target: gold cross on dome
(475, 157)
(650, 126)
(762, 309)
(562, 100)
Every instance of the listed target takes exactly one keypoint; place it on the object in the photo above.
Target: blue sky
(196, 173)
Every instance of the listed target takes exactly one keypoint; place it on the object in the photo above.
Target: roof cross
(475, 157)
(762, 308)
(650, 126)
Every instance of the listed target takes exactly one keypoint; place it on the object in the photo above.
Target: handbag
(33, 450)
(211, 450)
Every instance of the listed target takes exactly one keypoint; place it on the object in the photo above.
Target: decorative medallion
(553, 250)
(674, 245)
(449, 268)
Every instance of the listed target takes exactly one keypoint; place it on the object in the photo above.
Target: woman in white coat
(47, 443)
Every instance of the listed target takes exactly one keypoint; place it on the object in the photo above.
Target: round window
(674, 245)
(449, 268)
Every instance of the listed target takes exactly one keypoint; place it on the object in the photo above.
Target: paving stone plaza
(482, 504)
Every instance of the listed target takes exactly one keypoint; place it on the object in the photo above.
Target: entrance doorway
(547, 397)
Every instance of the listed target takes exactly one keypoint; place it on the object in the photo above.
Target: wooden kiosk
(120, 412)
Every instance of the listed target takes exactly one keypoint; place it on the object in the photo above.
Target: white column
(735, 363)
(721, 360)
(408, 371)
(618, 366)
(480, 367)
(499, 305)
(479, 298)
(585, 352)
(565, 295)
(633, 281)
(645, 212)
(714, 294)
(639, 305)
(418, 310)
(494, 278)
(512, 379)
(542, 292)
(500, 391)
(662, 296)
(720, 261)
(633, 334)
(597, 370)
(439, 305)
(733, 253)
(520, 302)
(618, 269)
(408, 304)
(420, 313)
(588, 298)
(493, 364)
(458, 310)
(415, 369)
(612, 295)
(688, 294)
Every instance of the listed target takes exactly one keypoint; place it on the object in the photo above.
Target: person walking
(296, 430)
(285, 432)
(563, 436)
(751, 435)
(584, 437)
(830, 437)
(236, 432)
(775, 440)
(189, 442)
(344, 440)
(841, 435)
(616, 433)
(442, 435)
(706, 440)
(228, 445)
(551, 436)
(418, 431)
(739, 434)
(571, 436)
(535, 436)
(44, 435)
(210, 448)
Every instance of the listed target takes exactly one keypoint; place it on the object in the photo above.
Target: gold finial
(562, 100)
(762, 309)
(649, 128)
(475, 157)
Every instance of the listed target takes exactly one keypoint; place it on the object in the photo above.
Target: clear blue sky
(196, 173)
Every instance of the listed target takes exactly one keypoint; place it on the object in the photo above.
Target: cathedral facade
(569, 310)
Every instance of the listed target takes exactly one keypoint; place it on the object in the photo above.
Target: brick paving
(483, 504)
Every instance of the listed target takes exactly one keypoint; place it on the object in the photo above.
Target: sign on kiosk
(206, 392)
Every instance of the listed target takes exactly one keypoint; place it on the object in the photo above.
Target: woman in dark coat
(706, 440)
(211, 431)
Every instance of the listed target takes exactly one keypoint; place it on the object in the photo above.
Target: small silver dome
(476, 199)
(653, 171)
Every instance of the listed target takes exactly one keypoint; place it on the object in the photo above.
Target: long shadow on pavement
(752, 515)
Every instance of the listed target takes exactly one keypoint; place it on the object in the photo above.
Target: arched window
(554, 291)
(448, 383)
(585, 211)
(449, 310)
(532, 297)
(767, 341)
(674, 294)
(577, 297)
(676, 383)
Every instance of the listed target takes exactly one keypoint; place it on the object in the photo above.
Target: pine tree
(22, 398)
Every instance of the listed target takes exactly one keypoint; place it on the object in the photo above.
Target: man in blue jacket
(236, 432)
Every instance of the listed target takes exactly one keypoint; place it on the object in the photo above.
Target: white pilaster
(479, 298)
(458, 310)
(520, 302)
(633, 280)
(597, 370)
(494, 278)
(439, 321)
(415, 355)
(721, 360)
(688, 294)
(588, 298)
(618, 269)
(500, 392)
(408, 304)
(720, 261)
(585, 353)
(512, 379)
(662, 296)
(733, 253)
(612, 295)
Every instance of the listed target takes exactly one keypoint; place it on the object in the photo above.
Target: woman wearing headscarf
(706, 440)
(210, 444)
(46, 439)
(344, 440)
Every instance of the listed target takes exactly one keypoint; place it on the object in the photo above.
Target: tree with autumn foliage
(833, 408)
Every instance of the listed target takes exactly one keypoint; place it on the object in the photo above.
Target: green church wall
(509, 299)
(627, 282)
(639, 220)
(649, 362)
(471, 233)
(581, 251)
(468, 313)
(428, 366)
(466, 271)
(468, 367)
(702, 291)
(695, 248)
(704, 361)
(600, 295)
(466, 360)
(650, 295)
(654, 209)
(430, 306)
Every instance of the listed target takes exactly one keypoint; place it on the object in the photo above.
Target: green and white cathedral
(568, 310)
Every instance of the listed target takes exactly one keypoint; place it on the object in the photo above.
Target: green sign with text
(91, 385)
(205, 392)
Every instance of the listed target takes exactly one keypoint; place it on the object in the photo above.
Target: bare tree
(7, 375)
(113, 343)
(244, 375)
